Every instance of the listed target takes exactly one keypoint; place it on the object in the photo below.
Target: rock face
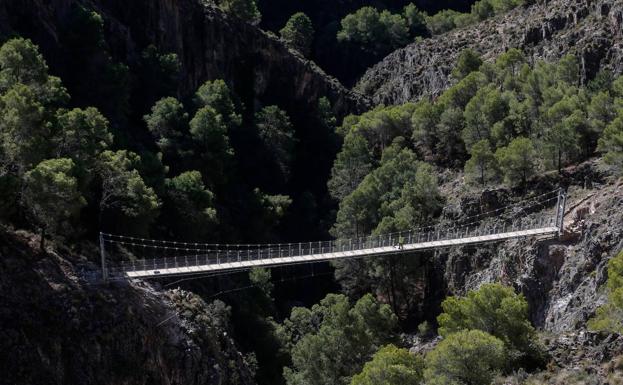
(55, 329)
(210, 45)
(562, 278)
(590, 29)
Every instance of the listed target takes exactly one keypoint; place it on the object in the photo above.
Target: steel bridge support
(561, 205)
(103, 258)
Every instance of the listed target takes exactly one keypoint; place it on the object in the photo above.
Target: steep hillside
(209, 44)
(55, 328)
(107, 69)
(563, 279)
(590, 29)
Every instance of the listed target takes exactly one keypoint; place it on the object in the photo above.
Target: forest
(116, 147)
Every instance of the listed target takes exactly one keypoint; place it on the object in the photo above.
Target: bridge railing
(185, 254)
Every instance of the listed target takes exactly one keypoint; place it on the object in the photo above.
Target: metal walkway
(147, 258)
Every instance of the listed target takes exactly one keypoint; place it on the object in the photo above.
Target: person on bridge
(401, 242)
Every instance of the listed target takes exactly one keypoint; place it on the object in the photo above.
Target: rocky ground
(57, 329)
(562, 279)
(590, 29)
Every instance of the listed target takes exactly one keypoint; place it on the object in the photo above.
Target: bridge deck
(236, 263)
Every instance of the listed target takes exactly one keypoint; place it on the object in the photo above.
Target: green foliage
(424, 121)
(361, 211)
(517, 161)
(509, 64)
(268, 211)
(418, 203)
(216, 94)
(261, 279)
(23, 128)
(424, 329)
(277, 136)
(400, 194)
(416, 20)
(468, 62)
(381, 125)
(609, 317)
(167, 122)
(351, 165)
(565, 122)
(125, 196)
(600, 111)
(448, 19)
(123, 188)
(481, 166)
(325, 113)
(51, 193)
(21, 63)
(442, 21)
(210, 136)
(611, 143)
(81, 135)
(331, 342)
(496, 310)
(466, 357)
(298, 33)
(244, 9)
(192, 212)
(391, 366)
(379, 32)
(483, 111)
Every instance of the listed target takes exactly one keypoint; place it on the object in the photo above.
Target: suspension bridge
(142, 258)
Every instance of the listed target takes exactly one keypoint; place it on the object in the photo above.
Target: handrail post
(103, 258)
(562, 207)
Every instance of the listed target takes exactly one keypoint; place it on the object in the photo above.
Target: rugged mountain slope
(590, 29)
(209, 44)
(56, 329)
(564, 278)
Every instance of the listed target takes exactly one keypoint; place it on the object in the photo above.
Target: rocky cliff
(209, 44)
(563, 278)
(57, 329)
(589, 29)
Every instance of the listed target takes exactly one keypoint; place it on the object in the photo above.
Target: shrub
(609, 317)
(497, 310)
(391, 366)
(467, 357)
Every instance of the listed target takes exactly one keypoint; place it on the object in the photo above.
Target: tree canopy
(391, 366)
(298, 33)
(244, 9)
(609, 317)
(330, 342)
(466, 357)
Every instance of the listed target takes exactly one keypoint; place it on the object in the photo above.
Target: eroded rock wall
(56, 329)
(589, 29)
(210, 45)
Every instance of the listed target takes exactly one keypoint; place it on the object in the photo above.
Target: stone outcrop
(57, 329)
(590, 29)
(210, 45)
(562, 278)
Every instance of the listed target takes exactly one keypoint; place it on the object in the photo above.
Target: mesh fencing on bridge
(121, 255)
